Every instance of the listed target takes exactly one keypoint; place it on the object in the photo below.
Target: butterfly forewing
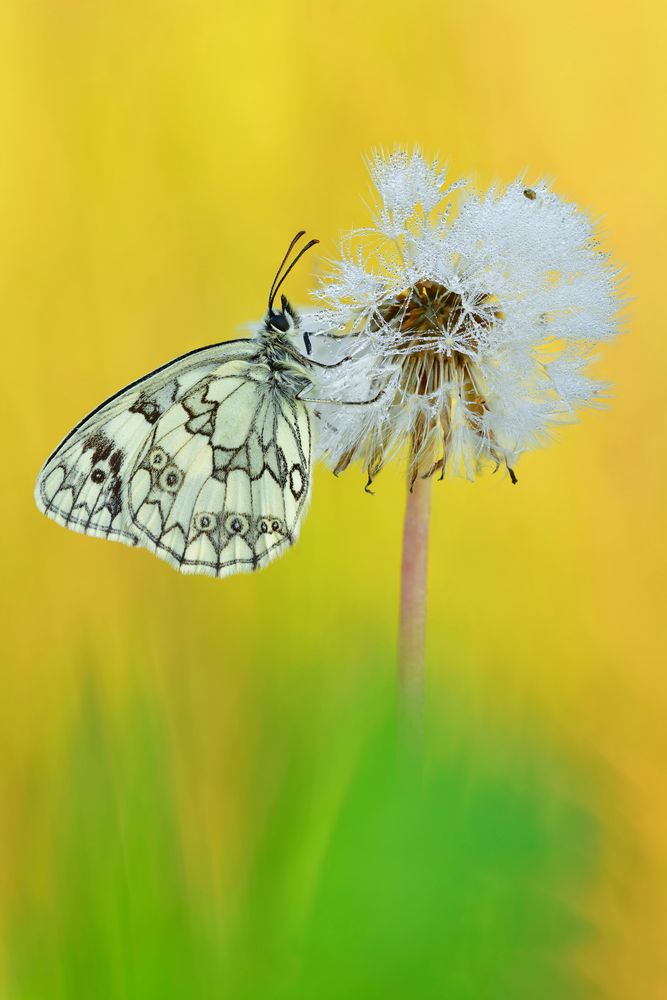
(204, 462)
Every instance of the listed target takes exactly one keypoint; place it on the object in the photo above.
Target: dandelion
(468, 322)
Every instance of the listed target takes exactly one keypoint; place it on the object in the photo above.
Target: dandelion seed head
(468, 318)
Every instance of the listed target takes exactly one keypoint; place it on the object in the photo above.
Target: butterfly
(205, 461)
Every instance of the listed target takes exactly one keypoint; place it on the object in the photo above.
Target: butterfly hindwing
(222, 483)
(203, 462)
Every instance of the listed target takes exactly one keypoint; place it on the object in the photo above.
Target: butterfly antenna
(302, 251)
(272, 293)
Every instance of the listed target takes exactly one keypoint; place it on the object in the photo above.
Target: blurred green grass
(363, 875)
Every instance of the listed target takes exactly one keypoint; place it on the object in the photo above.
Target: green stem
(412, 626)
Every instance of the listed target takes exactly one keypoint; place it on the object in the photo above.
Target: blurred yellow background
(156, 158)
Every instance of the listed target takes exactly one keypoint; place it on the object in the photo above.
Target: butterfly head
(285, 320)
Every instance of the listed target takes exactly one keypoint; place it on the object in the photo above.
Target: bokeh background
(199, 789)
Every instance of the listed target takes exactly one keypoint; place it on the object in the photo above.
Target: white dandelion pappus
(206, 461)
(475, 326)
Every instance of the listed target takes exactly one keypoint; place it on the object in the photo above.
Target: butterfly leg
(318, 364)
(311, 361)
(308, 338)
(344, 402)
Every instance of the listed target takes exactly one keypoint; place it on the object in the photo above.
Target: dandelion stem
(412, 625)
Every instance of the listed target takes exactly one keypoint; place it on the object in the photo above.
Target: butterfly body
(206, 461)
(287, 369)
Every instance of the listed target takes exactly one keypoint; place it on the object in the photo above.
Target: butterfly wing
(223, 481)
(166, 461)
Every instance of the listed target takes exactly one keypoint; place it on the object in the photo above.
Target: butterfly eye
(236, 524)
(279, 322)
(157, 458)
(170, 479)
(205, 521)
(529, 194)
